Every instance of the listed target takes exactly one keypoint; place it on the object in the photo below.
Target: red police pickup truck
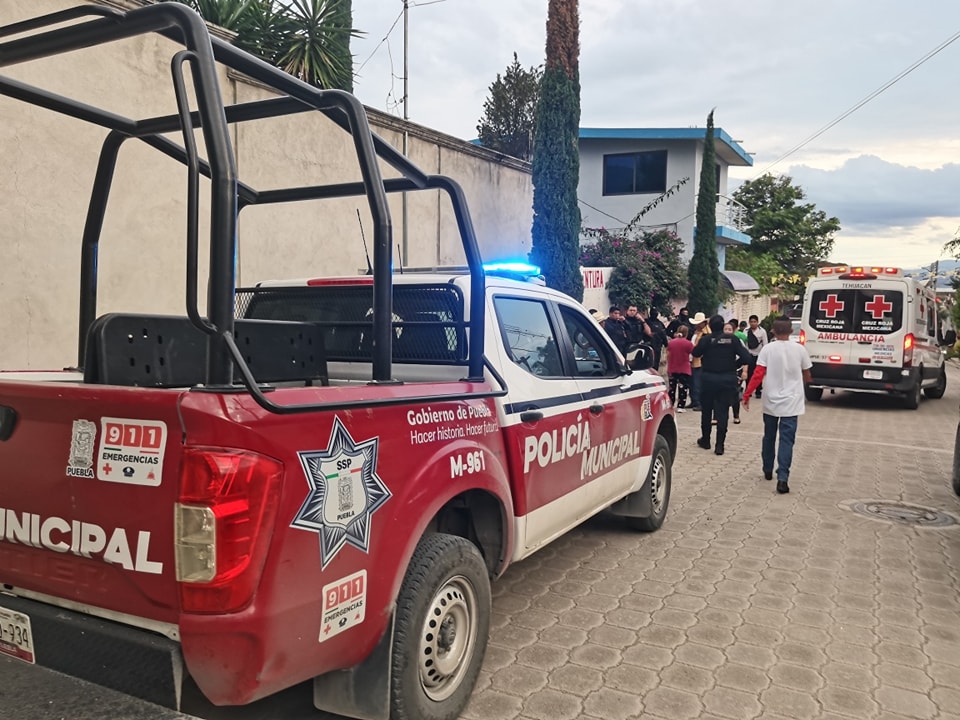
(313, 479)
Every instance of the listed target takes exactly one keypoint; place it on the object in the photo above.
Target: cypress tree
(703, 275)
(556, 156)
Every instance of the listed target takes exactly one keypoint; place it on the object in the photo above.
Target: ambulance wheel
(912, 399)
(658, 485)
(812, 394)
(936, 392)
(441, 629)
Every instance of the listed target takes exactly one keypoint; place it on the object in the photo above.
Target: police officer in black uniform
(720, 353)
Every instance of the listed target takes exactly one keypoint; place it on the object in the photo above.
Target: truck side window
(528, 336)
(590, 351)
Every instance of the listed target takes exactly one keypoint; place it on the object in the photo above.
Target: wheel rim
(448, 638)
(658, 483)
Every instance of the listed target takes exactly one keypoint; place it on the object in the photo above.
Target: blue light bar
(522, 269)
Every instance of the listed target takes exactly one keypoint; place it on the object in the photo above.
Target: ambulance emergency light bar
(860, 271)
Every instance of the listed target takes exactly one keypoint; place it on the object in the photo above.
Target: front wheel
(936, 392)
(658, 485)
(441, 629)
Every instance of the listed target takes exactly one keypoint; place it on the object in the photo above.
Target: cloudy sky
(777, 72)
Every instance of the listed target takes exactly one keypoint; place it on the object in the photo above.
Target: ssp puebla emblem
(345, 491)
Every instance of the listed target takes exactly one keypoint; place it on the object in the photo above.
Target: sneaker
(768, 474)
(782, 487)
(704, 443)
(680, 409)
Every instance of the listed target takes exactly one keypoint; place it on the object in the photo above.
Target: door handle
(529, 416)
(596, 409)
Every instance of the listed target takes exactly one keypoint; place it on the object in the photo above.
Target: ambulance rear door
(860, 324)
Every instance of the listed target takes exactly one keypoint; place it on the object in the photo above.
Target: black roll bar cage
(202, 51)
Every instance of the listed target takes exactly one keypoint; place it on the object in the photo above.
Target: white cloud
(776, 72)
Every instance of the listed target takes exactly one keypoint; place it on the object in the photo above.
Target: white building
(624, 169)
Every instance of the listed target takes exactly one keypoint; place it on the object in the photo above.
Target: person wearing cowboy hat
(698, 323)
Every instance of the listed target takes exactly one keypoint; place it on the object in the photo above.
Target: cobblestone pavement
(747, 603)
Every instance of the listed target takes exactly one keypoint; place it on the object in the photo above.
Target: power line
(899, 76)
(380, 44)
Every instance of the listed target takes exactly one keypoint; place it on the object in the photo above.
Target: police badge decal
(345, 491)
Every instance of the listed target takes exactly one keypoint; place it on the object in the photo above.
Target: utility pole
(406, 139)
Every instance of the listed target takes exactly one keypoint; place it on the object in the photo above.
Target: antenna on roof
(365, 250)
(400, 258)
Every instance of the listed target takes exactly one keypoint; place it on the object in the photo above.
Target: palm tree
(310, 39)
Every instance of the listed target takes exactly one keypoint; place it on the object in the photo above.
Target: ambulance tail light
(223, 521)
(835, 358)
(908, 343)
(803, 337)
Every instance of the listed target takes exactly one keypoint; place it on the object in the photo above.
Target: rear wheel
(658, 485)
(956, 462)
(912, 399)
(936, 392)
(812, 394)
(441, 630)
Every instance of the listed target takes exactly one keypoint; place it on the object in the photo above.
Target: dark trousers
(718, 391)
(750, 368)
(679, 384)
(695, 387)
(787, 427)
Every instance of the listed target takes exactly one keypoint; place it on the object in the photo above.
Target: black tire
(936, 392)
(658, 485)
(956, 462)
(441, 629)
(911, 400)
(812, 394)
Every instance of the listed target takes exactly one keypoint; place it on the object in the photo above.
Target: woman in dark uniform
(720, 354)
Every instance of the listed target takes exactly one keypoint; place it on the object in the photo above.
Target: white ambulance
(870, 329)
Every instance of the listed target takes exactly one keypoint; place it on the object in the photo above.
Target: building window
(634, 173)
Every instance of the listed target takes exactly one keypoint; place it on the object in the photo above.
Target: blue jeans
(788, 434)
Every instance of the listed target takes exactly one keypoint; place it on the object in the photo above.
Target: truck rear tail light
(908, 343)
(223, 523)
(803, 337)
(835, 358)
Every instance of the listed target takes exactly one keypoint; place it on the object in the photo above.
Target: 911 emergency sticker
(345, 491)
(344, 604)
(131, 451)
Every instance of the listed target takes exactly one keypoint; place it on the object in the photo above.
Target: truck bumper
(850, 377)
(130, 660)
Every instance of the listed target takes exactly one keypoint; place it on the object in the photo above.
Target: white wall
(49, 163)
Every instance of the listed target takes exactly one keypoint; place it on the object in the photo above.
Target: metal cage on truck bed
(213, 338)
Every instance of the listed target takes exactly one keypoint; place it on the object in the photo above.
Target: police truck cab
(870, 329)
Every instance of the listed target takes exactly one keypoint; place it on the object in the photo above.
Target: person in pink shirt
(678, 366)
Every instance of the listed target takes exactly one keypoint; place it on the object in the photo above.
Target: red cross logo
(878, 307)
(107, 468)
(831, 306)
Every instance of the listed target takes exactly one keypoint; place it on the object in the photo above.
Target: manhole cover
(901, 512)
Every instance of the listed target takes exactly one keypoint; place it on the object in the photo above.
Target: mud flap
(636, 504)
(363, 691)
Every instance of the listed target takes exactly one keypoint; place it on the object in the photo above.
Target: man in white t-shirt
(783, 367)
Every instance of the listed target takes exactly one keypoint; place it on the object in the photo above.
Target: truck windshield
(863, 310)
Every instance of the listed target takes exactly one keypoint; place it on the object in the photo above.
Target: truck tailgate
(87, 493)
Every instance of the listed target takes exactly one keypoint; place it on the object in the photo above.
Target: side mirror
(639, 356)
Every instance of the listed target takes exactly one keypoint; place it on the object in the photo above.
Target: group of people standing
(714, 358)
(711, 360)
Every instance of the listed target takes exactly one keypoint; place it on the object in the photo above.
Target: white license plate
(873, 374)
(16, 639)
